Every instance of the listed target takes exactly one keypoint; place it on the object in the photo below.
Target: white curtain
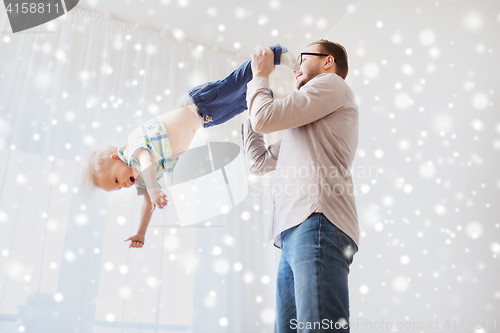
(79, 83)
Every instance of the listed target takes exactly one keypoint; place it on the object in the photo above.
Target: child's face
(116, 175)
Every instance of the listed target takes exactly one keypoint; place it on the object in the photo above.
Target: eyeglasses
(299, 58)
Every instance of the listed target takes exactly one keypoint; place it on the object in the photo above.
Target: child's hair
(94, 164)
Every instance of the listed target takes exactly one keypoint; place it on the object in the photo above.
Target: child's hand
(158, 198)
(137, 241)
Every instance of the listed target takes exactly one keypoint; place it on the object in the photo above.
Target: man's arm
(260, 159)
(280, 94)
(321, 96)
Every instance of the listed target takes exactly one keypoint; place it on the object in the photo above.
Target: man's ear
(115, 156)
(330, 62)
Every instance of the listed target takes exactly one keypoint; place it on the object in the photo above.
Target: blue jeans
(311, 290)
(224, 99)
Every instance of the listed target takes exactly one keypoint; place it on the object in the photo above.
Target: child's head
(105, 169)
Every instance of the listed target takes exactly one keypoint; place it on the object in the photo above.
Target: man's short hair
(338, 52)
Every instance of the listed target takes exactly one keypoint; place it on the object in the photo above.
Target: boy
(150, 151)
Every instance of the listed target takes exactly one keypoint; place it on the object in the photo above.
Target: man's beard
(308, 78)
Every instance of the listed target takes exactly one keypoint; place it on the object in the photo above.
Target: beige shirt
(312, 161)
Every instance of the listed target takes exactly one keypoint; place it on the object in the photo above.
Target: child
(150, 151)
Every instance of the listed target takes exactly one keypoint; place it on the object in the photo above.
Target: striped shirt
(152, 135)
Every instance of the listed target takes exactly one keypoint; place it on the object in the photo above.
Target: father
(314, 221)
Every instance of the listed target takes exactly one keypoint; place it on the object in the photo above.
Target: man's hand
(137, 241)
(158, 198)
(263, 63)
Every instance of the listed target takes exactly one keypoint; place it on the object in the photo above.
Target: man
(314, 221)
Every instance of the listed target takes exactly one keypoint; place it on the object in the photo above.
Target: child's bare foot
(289, 59)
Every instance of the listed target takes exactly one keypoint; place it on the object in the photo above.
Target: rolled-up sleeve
(319, 97)
(261, 160)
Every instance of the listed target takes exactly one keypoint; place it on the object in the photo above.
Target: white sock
(289, 60)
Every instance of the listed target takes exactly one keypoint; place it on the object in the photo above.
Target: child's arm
(148, 173)
(146, 213)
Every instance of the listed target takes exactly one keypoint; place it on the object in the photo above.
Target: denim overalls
(224, 99)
